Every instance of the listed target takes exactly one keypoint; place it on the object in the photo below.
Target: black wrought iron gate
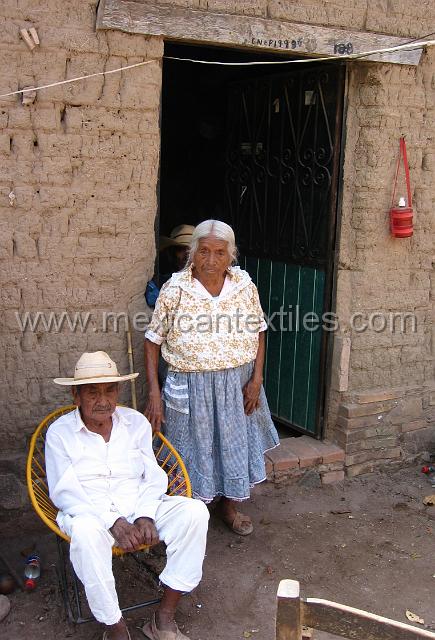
(281, 185)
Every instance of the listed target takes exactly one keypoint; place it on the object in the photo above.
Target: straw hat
(93, 368)
(180, 236)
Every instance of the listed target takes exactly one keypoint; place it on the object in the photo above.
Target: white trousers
(180, 522)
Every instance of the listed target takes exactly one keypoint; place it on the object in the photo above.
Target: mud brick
(358, 423)
(413, 425)
(306, 452)
(328, 451)
(287, 477)
(345, 437)
(419, 440)
(378, 396)
(359, 410)
(412, 407)
(334, 466)
(330, 477)
(359, 469)
(282, 458)
(370, 444)
(366, 456)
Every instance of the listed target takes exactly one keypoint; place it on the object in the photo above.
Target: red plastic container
(401, 221)
(401, 216)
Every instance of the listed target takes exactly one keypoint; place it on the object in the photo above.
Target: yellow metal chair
(166, 456)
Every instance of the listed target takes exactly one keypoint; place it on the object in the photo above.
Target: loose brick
(25, 246)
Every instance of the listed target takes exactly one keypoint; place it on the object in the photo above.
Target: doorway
(259, 147)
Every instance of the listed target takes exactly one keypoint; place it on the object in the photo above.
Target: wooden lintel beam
(249, 32)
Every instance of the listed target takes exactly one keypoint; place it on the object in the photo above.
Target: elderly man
(109, 489)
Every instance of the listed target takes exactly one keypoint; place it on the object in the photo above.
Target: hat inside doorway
(180, 236)
(94, 368)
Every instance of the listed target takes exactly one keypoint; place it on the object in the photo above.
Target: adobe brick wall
(82, 163)
(377, 273)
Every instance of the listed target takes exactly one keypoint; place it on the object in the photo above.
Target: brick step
(296, 458)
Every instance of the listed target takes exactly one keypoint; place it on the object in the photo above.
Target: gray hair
(216, 229)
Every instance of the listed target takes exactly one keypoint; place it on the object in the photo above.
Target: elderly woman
(209, 324)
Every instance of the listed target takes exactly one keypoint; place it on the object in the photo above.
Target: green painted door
(289, 295)
(281, 186)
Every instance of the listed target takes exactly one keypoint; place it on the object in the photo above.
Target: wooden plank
(288, 615)
(349, 622)
(193, 25)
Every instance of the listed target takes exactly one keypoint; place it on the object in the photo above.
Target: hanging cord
(402, 153)
(91, 75)
(353, 56)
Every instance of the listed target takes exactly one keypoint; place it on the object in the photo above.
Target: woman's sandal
(241, 524)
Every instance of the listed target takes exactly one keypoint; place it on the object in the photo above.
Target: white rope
(91, 75)
(352, 56)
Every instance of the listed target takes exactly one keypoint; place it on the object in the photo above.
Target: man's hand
(154, 411)
(251, 396)
(147, 530)
(127, 535)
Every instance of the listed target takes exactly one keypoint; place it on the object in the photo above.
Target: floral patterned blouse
(199, 332)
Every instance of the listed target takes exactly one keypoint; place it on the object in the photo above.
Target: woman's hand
(251, 395)
(154, 410)
(154, 407)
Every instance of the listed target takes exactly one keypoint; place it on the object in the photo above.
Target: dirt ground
(367, 542)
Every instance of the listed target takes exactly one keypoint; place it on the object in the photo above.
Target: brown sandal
(242, 524)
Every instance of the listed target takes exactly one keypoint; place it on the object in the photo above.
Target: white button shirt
(87, 475)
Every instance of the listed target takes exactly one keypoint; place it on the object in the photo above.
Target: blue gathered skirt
(222, 448)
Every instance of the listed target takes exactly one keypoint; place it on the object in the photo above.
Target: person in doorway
(174, 252)
(209, 324)
(104, 479)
